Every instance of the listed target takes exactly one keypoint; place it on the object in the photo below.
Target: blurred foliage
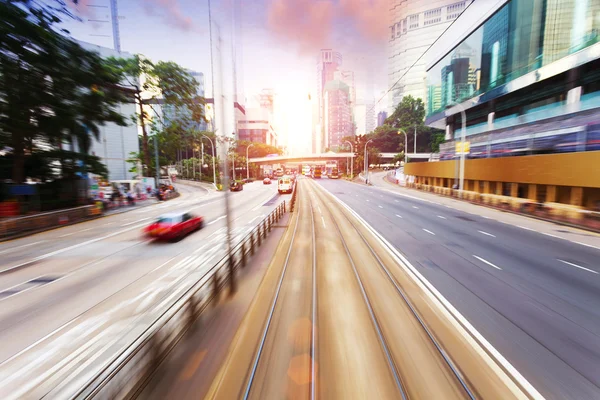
(169, 84)
(52, 92)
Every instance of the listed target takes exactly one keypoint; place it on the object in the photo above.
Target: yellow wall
(569, 169)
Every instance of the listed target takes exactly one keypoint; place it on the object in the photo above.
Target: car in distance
(284, 185)
(236, 186)
(267, 181)
(174, 226)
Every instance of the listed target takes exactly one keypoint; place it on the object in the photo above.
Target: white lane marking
(459, 321)
(526, 228)
(397, 201)
(323, 220)
(416, 207)
(59, 251)
(442, 217)
(20, 247)
(368, 200)
(551, 235)
(380, 206)
(319, 208)
(487, 262)
(428, 231)
(85, 230)
(448, 206)
(485, 233)
(356, 195)
(67, 234)
(483, 216)
(399, 216)
(578, 266)
(108, 223)
(135, 222)
(587, 245)
(215, 220)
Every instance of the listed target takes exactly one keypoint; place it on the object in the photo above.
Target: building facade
(115, 143)
(172, 113)
(415, 25)
(328, 63)
(338, 114)
(257, 127)
(381, 117)
(526, 79)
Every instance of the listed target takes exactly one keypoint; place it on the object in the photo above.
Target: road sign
(463, 147)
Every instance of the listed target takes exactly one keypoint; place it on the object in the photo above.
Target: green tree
(169, 84)
(52, 90)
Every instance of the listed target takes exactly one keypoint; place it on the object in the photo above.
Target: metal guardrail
(127, 373)
(20, 225)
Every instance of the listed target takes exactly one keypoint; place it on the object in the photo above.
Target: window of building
(454, 10)
(393, 31)
(398, 29)
(433, 16)
(413, 21)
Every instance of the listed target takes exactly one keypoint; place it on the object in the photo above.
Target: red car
(174, 226)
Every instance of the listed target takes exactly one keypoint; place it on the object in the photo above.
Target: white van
(284, 184)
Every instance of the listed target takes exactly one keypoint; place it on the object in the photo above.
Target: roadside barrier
(33, 223)
(127, 373)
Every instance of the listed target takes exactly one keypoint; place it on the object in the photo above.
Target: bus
(306, 170)
(279, 172)
(335, 174)
(317, 172)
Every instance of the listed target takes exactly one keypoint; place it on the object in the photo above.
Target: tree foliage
(167, 83)
(52, 92)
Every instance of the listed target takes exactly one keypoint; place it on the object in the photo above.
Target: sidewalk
(544, 226)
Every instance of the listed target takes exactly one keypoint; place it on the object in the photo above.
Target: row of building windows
(431, 17)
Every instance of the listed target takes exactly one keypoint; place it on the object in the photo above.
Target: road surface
(531, 288)
(336, 317)
(73, 296)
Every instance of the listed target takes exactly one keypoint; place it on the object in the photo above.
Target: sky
(276, 45)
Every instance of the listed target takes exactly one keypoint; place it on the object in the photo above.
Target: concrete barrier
(13, 227)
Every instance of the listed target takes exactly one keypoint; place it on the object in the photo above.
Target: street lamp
(213, 160)
(352, 158)
(400, 130)
(247, 167)
(367, 162)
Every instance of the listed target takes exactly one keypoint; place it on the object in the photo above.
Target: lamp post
(351, 158)
(213, 160)
(367, 162)
(247, 164)
(400, 130)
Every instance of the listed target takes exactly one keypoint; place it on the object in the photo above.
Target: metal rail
(127, 373)
(274, 305)
(413, 310)
(378, 329)
(313, 337)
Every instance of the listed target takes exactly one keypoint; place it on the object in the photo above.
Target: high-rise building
(328, 63)
(257, 127)
(348, 78)
(170, 112)
(415, 26)
(381, 117)
(337, 113)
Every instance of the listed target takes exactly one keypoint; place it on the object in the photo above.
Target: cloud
(370, 16)
(312, 23)
(170, 12)
(306, 22)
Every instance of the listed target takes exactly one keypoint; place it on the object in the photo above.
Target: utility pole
(157, 166)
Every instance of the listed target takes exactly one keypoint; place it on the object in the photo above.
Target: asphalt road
(72, 296)
(531, 288)
(328, 322)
